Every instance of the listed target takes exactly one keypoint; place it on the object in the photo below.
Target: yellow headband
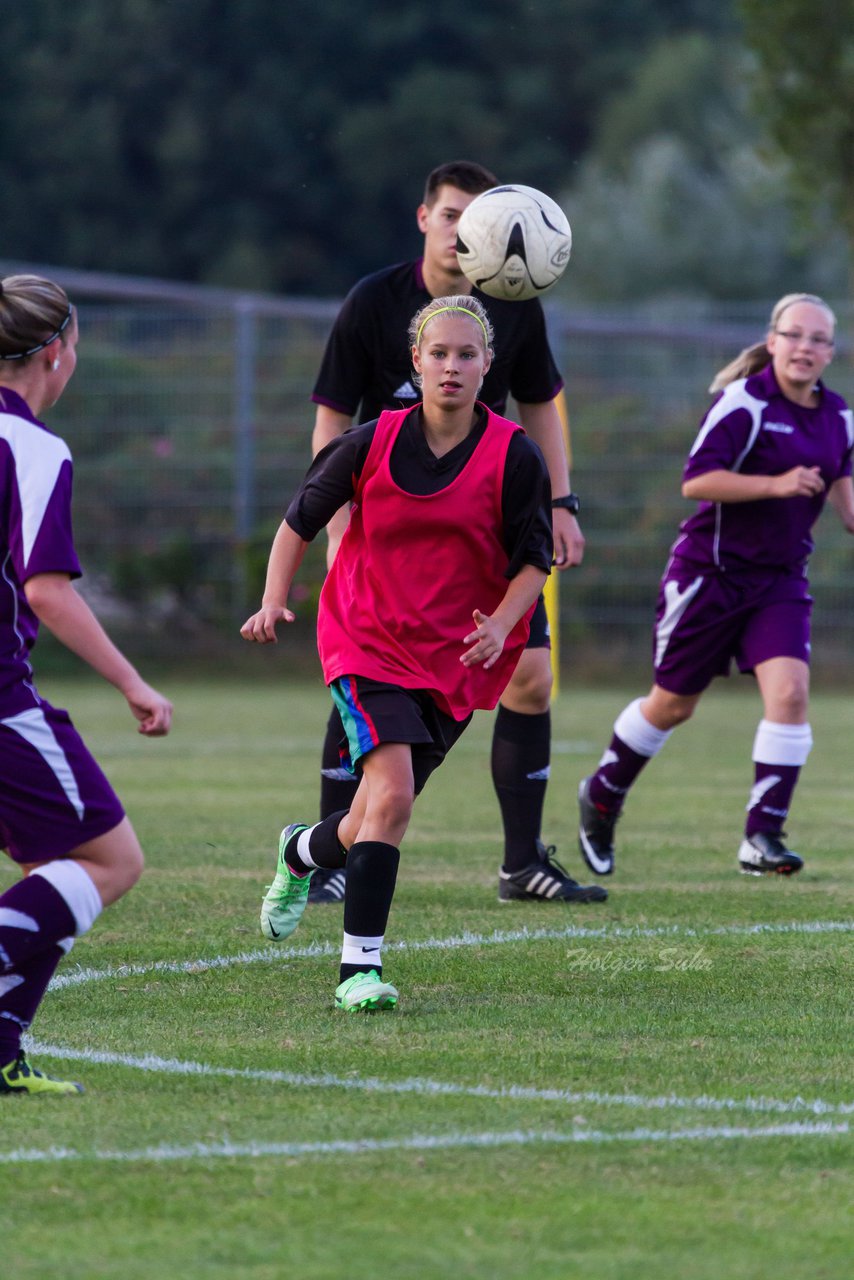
(439, 311)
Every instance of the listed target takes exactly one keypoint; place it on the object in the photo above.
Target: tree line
(283, 147)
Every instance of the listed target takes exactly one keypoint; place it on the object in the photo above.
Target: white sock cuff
(302, 846)
(366, 952)
(781, 743)
(77, 888)
(633, 728)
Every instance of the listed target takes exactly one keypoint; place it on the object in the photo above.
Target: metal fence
(190, 421)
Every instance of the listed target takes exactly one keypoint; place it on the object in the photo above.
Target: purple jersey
(752, 428)
(35, 537)
(53, 795)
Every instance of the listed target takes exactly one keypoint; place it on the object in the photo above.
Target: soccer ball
(513, 242)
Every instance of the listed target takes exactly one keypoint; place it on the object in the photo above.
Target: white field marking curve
(440, 1088)
(816, 1107)
(282, 955)
(422, 1142)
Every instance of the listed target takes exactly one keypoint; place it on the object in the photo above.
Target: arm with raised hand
(56, 603)
(286, 556)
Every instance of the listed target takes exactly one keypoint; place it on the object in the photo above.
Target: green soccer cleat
(365, 991)
(285, 899)
(19, 1077)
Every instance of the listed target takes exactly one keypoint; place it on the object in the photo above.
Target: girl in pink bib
(422, 618)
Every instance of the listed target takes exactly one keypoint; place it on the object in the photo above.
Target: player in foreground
(365, 369)
(422, 618)
(772, 448)
(60, 819)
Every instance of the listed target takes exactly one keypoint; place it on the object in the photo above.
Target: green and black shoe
(18, 1076)
(285, 899)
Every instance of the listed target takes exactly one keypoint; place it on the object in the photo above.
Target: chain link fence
(189, 419)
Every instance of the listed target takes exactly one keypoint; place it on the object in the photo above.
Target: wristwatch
(571, 502)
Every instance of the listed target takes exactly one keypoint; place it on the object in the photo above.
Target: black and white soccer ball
(513, 242)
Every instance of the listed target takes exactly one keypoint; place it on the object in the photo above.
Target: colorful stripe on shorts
(359, 727)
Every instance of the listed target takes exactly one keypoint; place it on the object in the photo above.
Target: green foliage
(284, 146)
(804, 83)
(677, 196)
(685, 85)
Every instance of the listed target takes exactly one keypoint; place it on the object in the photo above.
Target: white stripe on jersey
(34, 728)
(39, 456)
(734, 397)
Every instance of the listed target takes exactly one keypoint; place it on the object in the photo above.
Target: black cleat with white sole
(545, 881)
(765, 854)
(595, 832)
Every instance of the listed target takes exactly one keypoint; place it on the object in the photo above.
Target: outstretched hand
(151, 709)
(487, 641)
(261, 627)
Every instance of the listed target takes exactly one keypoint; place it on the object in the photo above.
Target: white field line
(282, 955)
(421, 1142)
(440, 1088)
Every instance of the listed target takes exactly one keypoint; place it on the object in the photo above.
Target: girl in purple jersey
(60, 819)
(773, 447)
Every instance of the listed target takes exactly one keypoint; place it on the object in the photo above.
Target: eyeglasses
(819, 340)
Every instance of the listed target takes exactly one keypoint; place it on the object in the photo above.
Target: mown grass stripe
(438, 1088)
(282, 955)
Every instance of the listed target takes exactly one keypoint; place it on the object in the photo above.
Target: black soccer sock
(337, 784)
(371, 877)
(521, 756)
(324, 847)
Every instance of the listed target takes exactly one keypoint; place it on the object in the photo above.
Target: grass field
(656, 1087)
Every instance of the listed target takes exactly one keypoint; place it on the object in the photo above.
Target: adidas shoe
(285, 899)
(595, 832)
(545, 880)
(19, 1077)
(327, 885)
(764, 853)
(365, 991)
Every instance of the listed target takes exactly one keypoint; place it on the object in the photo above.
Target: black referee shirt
(366, 366)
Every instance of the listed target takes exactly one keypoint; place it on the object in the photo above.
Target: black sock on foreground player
(371, 878)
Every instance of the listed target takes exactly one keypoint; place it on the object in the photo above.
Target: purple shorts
(705, 621)
(53, 795)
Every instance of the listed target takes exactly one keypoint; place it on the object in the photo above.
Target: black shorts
(540, 637)
(373, 712)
